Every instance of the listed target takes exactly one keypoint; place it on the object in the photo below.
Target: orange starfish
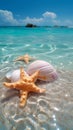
(25, 84)
(26, 58)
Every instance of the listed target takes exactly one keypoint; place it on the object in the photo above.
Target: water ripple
(52, 110)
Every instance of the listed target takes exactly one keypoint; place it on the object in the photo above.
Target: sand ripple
(52, 110)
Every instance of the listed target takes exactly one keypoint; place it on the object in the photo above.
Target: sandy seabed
(50, 111)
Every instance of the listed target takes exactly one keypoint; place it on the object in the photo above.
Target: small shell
(47, 71)
(14, 75)
(8, 75)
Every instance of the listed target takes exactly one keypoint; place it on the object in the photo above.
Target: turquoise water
(54, 110)
(54, 44)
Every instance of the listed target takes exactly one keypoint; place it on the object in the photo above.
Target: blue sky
(40, 12)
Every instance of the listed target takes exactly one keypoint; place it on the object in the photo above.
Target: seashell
(46, 71)
(14, 75)
(8, 75)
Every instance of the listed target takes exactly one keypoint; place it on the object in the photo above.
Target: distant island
(60, 26)
(30, 25)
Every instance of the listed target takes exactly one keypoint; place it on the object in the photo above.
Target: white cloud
(56, 22)
(63, 22)
(6, 18)
(47, 18)
(49, 15)
(33, 20)
(68, 22)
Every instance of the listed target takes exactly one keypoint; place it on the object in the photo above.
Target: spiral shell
(46, 71)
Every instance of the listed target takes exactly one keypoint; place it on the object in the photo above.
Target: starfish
(26, 58)
(25, 85)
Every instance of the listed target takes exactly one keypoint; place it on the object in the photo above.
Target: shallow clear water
(54, 109)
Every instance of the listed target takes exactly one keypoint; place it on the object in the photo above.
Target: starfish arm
(23, 98)
(26, 60)
(22, 73)
(35, 76)
(19, 85)
(31, 58)
(37, 89)
(19, 58)
(11, 85)
(26, 56)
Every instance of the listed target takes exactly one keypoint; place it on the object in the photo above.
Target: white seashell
(8, 75)
(47, 71)
(14, 75)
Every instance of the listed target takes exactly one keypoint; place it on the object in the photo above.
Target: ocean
(54, 109)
